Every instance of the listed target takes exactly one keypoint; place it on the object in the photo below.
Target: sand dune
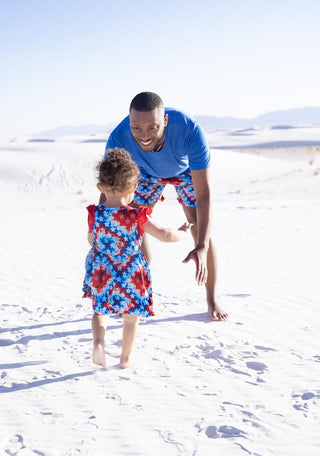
(248, 386)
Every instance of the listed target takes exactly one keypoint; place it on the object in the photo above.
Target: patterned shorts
(150, 189)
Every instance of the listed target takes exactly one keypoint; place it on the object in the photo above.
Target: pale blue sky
(72, 62)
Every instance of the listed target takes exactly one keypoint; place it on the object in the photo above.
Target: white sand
(248, 386)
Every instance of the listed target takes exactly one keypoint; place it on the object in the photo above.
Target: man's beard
(159, 144)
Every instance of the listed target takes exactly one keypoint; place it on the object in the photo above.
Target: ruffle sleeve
(91, 210)
(143, 213)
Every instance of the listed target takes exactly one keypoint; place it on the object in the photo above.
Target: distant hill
(275, 119)
(77, 130)
(285, 119)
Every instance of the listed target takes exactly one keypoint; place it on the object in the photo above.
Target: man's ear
(166, 120)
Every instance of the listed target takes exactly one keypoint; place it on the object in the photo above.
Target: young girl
(117, 274)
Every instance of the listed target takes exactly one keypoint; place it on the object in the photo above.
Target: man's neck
(159, 146)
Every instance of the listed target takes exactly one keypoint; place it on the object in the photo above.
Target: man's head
(148, 121)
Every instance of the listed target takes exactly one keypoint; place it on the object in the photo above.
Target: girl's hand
(185, 227)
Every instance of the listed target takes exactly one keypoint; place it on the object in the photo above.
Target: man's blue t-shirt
(185, 146)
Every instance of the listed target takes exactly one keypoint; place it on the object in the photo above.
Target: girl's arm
(90, 238)
(166, 234)
(91, 215)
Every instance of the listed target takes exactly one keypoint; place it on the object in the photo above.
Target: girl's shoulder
(91, 216)
(144, 212)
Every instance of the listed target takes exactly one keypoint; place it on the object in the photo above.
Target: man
(170, 148)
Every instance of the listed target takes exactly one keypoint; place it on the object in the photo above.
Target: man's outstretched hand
(199, 256)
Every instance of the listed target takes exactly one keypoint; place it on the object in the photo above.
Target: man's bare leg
(215, 311)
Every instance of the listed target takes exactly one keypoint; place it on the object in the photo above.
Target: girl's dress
(117, 275)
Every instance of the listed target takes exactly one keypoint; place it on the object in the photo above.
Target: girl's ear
(99, 187)
(132, 188)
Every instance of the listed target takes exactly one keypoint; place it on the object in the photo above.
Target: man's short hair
(145, 102)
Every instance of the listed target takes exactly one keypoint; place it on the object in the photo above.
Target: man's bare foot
(98, 356)
(125, 363)
(216, 313)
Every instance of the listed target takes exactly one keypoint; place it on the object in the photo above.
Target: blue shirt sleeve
(111, 143)
(198, 149)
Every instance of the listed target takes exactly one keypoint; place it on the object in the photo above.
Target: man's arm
(202, 189)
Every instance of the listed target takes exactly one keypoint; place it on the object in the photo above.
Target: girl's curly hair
(117, 170)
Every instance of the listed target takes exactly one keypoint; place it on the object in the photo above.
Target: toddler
(117, 277)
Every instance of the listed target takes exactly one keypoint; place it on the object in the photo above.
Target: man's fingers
(189, 257)
(186, 259)
(201, 269)
(201, 275)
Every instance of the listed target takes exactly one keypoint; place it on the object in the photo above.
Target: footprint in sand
(182, 442)
(225, 432)
(230, 431)
(306, 402)
(260, 367)
(15, 445)
(212, 432)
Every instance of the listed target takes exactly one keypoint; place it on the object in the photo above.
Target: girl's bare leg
(98, 333)
(130, 323)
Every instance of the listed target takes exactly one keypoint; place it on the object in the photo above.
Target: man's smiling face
(148, 128)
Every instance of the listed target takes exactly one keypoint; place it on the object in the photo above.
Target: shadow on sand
(24, 386)
(198, 317)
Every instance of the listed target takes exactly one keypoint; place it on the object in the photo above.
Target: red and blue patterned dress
(117, 275)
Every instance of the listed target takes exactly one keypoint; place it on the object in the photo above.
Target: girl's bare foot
(98, 356)
(125, 363)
